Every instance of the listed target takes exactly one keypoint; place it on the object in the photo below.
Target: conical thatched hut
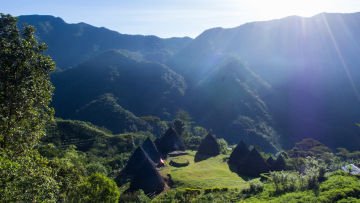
(279, 164)
(239, 154)
(148, 179)
(253, 165)
(209, 147)
(135, 162)
(169, 142)
(151, 150)
(270, 161)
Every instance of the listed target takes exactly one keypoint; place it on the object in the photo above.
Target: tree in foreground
(96, 188)
(25, 87)
(25, 94)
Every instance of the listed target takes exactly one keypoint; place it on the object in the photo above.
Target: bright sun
(280, 8)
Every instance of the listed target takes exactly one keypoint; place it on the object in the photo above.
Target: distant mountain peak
(71, 44)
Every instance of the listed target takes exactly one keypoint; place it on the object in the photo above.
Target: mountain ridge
(64, 47)
(308, 64)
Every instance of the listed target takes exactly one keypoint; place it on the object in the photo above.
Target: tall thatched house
(151, 150)
(209, 147)
(169, 142)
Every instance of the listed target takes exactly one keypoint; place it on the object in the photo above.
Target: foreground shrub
(339, 186)
(26, 179)
(256, 186)
(138, 197)
(197, 195)
(96, 188)
(286, 181)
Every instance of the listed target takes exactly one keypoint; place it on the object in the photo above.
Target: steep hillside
(71, 44)
(144, 88)
(228, 100)
(311, 65)
(89, 138)
(300, 77)
(105, 111)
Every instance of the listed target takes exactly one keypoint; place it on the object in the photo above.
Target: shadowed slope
(105, 111)
(141, 87)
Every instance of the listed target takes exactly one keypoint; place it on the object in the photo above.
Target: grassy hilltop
(209, 173)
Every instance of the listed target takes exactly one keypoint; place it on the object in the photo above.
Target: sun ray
(341, 58)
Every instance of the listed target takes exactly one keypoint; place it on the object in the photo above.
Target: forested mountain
(71, 44)
(144, 88)
(228, 100)
(105, 111)
(310, 64)
(271, 83)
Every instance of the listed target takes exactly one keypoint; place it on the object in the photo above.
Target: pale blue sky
(168, 18)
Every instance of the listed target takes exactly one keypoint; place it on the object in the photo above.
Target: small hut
(239, 154)
(209, 147)
(279, 164)
(169, 142)
(151, 150)
(134, 164)
(253, 165)
(147, 179)
(270, 161)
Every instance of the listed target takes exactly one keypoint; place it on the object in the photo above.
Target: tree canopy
(25, 94)
(25, 87)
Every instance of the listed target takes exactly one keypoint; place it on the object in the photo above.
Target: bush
(313, 174)
(256, 186)
(339, 186)
(138, 197)
(312, 177)
(192, 192)
(96, 188)
(187, 195)
(96, 167)
(213, 190)
(223, 146)
(285, 181)
(26, 179)
(349, 200)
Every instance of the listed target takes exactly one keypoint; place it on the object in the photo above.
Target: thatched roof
(148, 180)
(270, 161)
(151, 150)
(239, 154)
(135, 162)
(279, 164)
(253, 165)
(169, 142)
(209, 147)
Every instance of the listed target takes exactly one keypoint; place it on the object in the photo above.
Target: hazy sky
(167, 18)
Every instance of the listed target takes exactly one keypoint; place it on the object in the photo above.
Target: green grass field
(211, 173)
